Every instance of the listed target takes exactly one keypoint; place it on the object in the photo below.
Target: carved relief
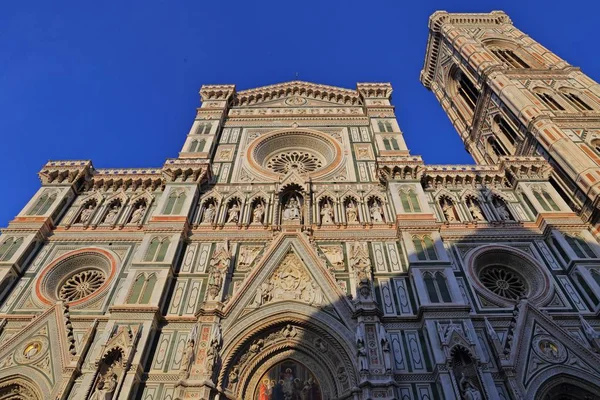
(219, 266)
(335, 255)
(247, 256)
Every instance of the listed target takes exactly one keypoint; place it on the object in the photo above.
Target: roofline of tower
(438, 19)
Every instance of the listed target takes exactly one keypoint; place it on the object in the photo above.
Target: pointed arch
(136, 289)
(146, 295)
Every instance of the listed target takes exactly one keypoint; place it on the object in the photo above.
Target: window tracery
(81, 285)
(547, 98)
(503, 282)
(575, 98)
(425, 248)
(175, 202)
(410, 201)
(294, 160)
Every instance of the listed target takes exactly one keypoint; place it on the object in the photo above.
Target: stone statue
(351, 213)
(292, 210)
(361, 351)
(188, 356)
(106, 386)
(385, 347)
(448, 210)
(111, 216)
(376, 212)
(503, 211)
(327, 214)
(258, 213)
(263, 294)
(475, 210)
(289, 331)
(469, 391)
(234, 213)
(86, 214)
(213, 349)
(137, 215)
(317, 295)
(209, 214)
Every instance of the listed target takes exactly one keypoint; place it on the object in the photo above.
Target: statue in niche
(317, 295)
(111, 215)
(263, 294)
(138, 213)
(385, 347)
(188, 356)
(106, 386)
(351, 212)
(502, 210)
(376, 212)
(213, 350)
(209, 213)
(86, 214)
(361, 351)
(233, 215)
(258, 213)
(327, 213)
(292, 210)
(475, 210)
(448, 210)
(469, 391)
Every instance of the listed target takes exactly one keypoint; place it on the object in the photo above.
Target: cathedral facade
(296, 250)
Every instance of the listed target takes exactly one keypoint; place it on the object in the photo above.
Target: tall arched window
(409, 201)
(495, 147)
(197, 145)
(385, 126)
(43, 203)
(437, 288)
(596, 145)
(580, 246)
(595, 275)
(175, 202)
(394, 142)
(141, 291)
(386, 144)
(505, 128)
(509, 57)
(467, 91)
(9, 247)
(575, 99)
(157, 250)
(204, 128)
(587, 289)
(545, 200)
(548, 99)
(425, 248)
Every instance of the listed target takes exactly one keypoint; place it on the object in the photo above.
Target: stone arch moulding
(69, 265)
(539, 284)
(545, 383)
(20, 387)
(257, 343)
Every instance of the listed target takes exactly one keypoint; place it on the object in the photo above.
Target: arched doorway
(567, 387)
(288, 379)
(19, 388)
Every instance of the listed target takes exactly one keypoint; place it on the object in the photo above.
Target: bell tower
(507, 95)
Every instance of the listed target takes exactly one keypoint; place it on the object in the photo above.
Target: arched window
(495, 147)
(175, 202)
(148, 289)
(467, 91)
(509, 57)
(545, 200)
(409, 200)
(587, 289)
(574, 98)
(385, 126)
(43, 203)
(580, 246)
(157, 250)
(437, 288)
(596, 276)
(9, 248)
(386, 144)
(425, 248)
(204, 128)
(197, 145)
(548, 99)
(136, 289)
(596, 145)
(395, 145)
(505, 128)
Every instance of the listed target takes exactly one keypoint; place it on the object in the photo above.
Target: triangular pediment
(290, 271)
(541, 348)
(41, 351)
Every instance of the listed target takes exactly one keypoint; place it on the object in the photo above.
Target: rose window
(298, 161)
(81, 285)
(503, 282)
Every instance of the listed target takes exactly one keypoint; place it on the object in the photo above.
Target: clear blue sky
(118, 83)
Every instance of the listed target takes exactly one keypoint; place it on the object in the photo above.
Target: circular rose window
(76, 277)
(504, 282)
(503, 275)
(300, 151)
